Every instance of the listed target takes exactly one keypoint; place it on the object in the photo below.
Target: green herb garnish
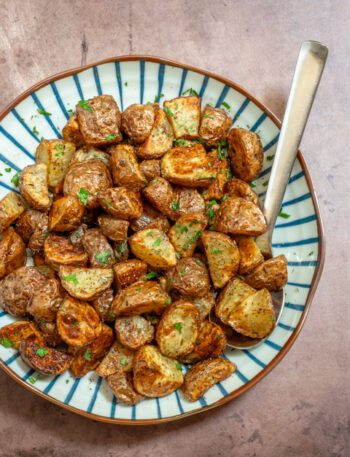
(226, 105)
(123, 361)
(72, 278)
(284, 215)
(41, 352)
(110, 137)
(35, 131)
(43, 112)
(178, 326)
(269, 158)
(310, 253)
(151, 275)
(216, 251)
(15, 179)
(207, 116)
(175, 205)
(157, 242)
(8, 170)
(104, 257)
(191, 92)
(85, 105)
(121, 248)
(228, 174)
(252, 185)
(168, 111)
(83, 195)
(265, 183)
(178, 366)
(157, 98)
(7, 343)
(33, 379)
(87, 355)
(181, 142)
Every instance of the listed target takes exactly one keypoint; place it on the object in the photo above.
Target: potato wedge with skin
(128, 272)
(178, 329)
(250, 255)
(184, 115)
(56, 154)
(185, 233)
(59, 251)
(85, 283)
(246, 153)
(272, 274)
(12, 252)
(121, 384)
(133, 332)
(187, 201)
(140, 297)
(34, 187)
(37, 241)
(121, 251)
(160, 195)
(240, 217)
(102, 305)
(214, 126)
(66, 214)
(114, 229)
(121, 203)
(230, 297)
(46, 301)
(28, 221)
(238, 188)
(223, 257)
(11, 207)
(189, 277)
(159, 140)
(203, 304)
(86, 153)
(49, 332)
(223, 173)
(88, 357)
(155, 375)
(138, 120)
(45, 360)
(150, 218)
(20, 331)
(154, 247)
(187, 167)
(78, 323)
(254, 316)
(72, 133)
(100, 252)
(204, 375)
(125, 168)
(118, 359)
(76, 236)
(150, 169)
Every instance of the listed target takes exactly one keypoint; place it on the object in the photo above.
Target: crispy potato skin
(32, 226)
(189, 277)
(222, 172)
(188, 201)
(246, 153)
(11, 207)
(204, 375)
(21, 331)
(99, 118)
(159, 140)
(51, 364)
(185, 233)
(71, 132)
(240, 217)
(184, 115)
(137, 122)
(46, 301)
(34, 187)
(76, 236)
(154, 374)
(12, 252)
(250, 255)
(238, 188)
(85, 283)
(203, 304)
(121, 251)
(128, 272)
(77, 322)
(133, 332)
(90, 153)
(100, 252)
(66, 214)
(154, 247)
(49, 332)
(125, 168)
(118, 359)
(271, 274)
(114, 229)
(214, 125)
(149, 219)
(121, 203)
(122, 386)
(150, 169)
(160, 195)
(60, 251)
(102, 305)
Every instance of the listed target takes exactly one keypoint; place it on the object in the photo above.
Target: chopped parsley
(15, 179)
(35, 131)
(226, 105)
(265, 183)
(228, 174)
(178, 326)
(33, 379)
(216, 251)
(104, 257)
(7, 343)
(284, 215)
(177, 255)
(126, 83)
(207, 116)
(108, 203)
(310, 253)
(157, 98)
(151, 275)
(178, 366)
(157, 242)
(222, 153)
(41, 352)
(87, 355)
(175, 205)
(269, 158)
(71, 111)
(225, 197)
(110, 137)
(72, 277)
(85, 105)
(59, 147)
(181, 142)
(121, 248)
(83, 195)
(123, 361)
(191, 92)
(252, 185)
(211, 203)
(43, 112)
(8, 170)
(168, 111)
(192, 240)
(168, 301)
(181, 228)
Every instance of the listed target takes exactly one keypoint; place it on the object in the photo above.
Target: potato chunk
(33, 186)
(85, 283)
(66, 214)
(102, 305)
(125, 168)
(238, 188)
(137, 121)
(154, 374)
(150, 169)
(60, 251)
(272, 274)
(187, 201)
(12, 252)
(128, 272)
(121, 203)
(32, 226)
(160, 139)
(118, 359)
(214, 125)
(46, 301)
(222, 171)
(134, 332)
(246, 153)
(49, 332)
(250, 255)
(100, 252)
(203, 304)
(122, 386)
(160, 195)
(184, 114)
(46, 361)
(13, 334)
(11, 207)
(190, 278)
(114, 229)
(150, 219)
(86, 153)
(185, 233)
(72, 133)
(204, 375)
(230, 297)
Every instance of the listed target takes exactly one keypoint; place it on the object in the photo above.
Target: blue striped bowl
(298, 236)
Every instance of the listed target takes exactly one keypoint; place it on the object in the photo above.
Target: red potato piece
(114, 229)
(214, 126)
(134, 332)
(118, 359)
(66, 214)
(189, 277)
(246, 153)
(100, 252)
(13, 334)
(46, 301)
(12, 252)
(138, 120)
(121, 203)
(11, 207)
(46, 361)
(272, 274)
(121, 384)
(60, 251)
(102, 305)
(125, 168)
(128, 272)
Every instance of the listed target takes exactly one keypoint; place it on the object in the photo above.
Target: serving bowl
(43, 110)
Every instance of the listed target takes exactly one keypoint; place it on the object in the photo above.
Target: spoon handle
(308, 72)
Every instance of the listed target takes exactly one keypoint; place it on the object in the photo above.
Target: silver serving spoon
(311, 61)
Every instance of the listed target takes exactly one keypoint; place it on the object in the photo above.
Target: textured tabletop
(302, 407)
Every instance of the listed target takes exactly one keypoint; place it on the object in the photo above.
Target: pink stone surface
(302, 407)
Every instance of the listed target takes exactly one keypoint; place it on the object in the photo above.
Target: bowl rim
(315, 280)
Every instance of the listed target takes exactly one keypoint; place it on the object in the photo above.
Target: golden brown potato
(34, 187)
(13, 334)
(140, 297)
(238, 188)
(272, 274)
(90, 153)
(223, 257)
(77, 236)
(254, 316)
(185, 233)
(60, 251)
(150, 169)
(46, 301)
(122, 387)
(85, 283)
(88, 357)
(250, 255)
(134, 332)
(125, 168)
(121, 251)
(154, 247)
(160, 139)
(246, 153)
(32, 226)
(46, 361)
(56, 154)
(121, 203)
(187, 167)
(230, 297)
(189, 277)
(11, 207)
(45, 270)
(71, 132)
(160, 195)
(211, 342)
(204, 375)
(184, 115)
(66, 214)
(137, 121)
(128, 272)
(100, 252)
(222, 171)
(12, 252)
(214, 125)
(150, 219)
(37, 241)
(102, 305)
(187, 201)
(99, 120)
(178, 329)
(154, 374)
(240, 217)
(86, 180)
(114, 229)
(77, 322)
(203, 304)
(118, 359)
(49, 332)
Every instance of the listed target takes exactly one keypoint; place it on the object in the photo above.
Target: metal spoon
(311, 61)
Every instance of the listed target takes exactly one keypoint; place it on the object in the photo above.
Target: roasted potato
(13, 334)
(154, 374)
(161, 196)
(34, 187)
(121, 251)
(121, 203)
(49, 332)
(187, 201)
(90, 153)
(160, 139)
(100, 252)
(45, 270)
(254, 316)
(150, 219)
(187, 167)
(240, 217)
(184, 115)
(140, 297)
(46, 361)
(222, 171)
(56, 155)
(214, 126)
(71, 132)
(246, 153)
(85, 283)
(114, 229)
(46, 301)
(154, 247)
(133, 332)
(204, 375)
(102, 305)
(118, 359)
(150, 169)
(32, 226)
(272, 274)
(77, 236)
(137, 121)
(250, 255)
(66, 214)
(223, 257)
(189, 277)
(11, 207)
(12, 252)
(60, 251)
(99, 120)
(125, 168)
(78, 323)
(128, 272)
(185, 233)
(238, 188)
(203, 304)
(122, 387)
(86, 180)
